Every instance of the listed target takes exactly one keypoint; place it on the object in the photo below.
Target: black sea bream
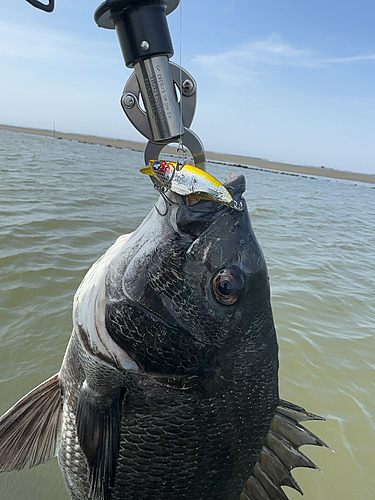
(169, 385)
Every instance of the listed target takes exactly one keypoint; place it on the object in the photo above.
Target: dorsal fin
(281, 454)
(30, 430)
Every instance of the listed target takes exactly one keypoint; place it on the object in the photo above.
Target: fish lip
(194, 220)
(236, 185)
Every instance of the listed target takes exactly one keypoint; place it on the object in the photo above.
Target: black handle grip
(42, 6)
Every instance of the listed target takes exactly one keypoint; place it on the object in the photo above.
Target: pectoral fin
(30, 430)
(98, 423)
(281, 454)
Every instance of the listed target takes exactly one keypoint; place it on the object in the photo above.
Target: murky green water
(62, 204)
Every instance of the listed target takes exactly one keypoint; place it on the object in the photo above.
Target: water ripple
(62, 204)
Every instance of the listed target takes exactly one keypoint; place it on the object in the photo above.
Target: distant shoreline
(227, 159)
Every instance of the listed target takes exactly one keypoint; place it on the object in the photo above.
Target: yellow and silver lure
(191, 182)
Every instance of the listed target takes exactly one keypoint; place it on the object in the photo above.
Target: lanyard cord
(180, 149)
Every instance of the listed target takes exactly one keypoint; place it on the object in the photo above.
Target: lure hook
(168, 202)
(237, 205)
(181, 152)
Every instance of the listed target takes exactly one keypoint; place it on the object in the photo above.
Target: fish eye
(226, 286)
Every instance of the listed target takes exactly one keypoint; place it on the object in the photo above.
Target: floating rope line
(180, 149)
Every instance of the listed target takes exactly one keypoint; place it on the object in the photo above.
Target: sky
(284, 80)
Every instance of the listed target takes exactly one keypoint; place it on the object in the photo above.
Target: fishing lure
(191, 182)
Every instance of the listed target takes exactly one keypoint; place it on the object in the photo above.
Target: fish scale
(156, 345)
(193, 451)
(163, 283)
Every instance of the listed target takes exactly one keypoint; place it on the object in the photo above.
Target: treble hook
(180, 149)
(237, 205)
(167, 201)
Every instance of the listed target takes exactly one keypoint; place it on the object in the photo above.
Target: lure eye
(156, 165)
(226, 286)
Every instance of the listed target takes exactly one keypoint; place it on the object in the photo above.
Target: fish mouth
(193, 217)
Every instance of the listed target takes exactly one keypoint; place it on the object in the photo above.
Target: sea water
(62, 204)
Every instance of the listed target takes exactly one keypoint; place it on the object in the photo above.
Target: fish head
(188, 285)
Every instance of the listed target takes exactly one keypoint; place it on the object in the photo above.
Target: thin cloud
(20, 41)
(343, 60)
(230, 6)
(238, 65)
